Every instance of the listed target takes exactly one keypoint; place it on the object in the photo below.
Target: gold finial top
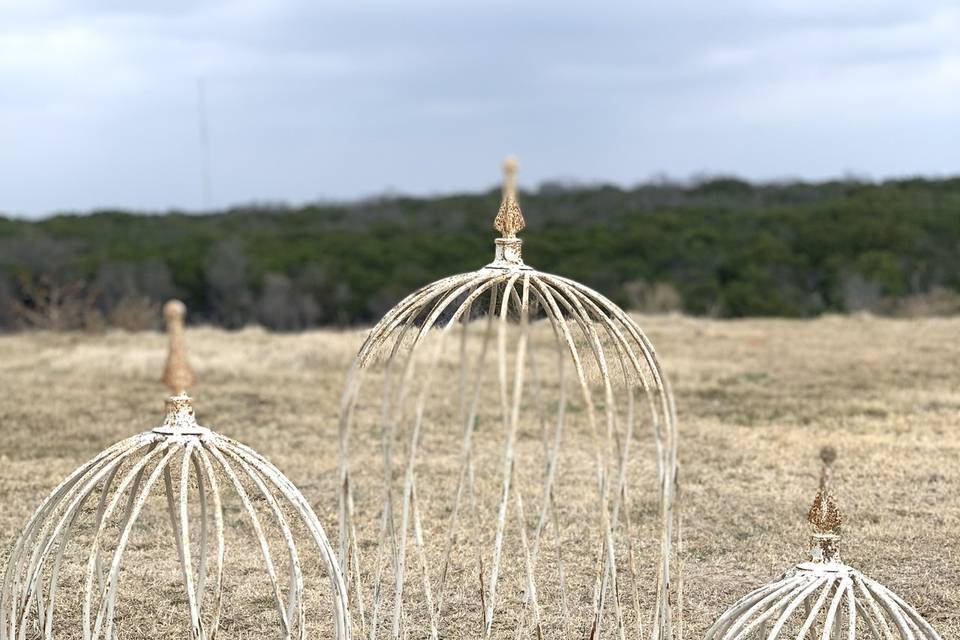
(177, 373)
(824, 515)
(174, 310)
(509, 221)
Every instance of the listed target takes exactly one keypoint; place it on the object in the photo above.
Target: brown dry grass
(756, 400)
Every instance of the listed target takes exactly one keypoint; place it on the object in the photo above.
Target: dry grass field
(756, 400)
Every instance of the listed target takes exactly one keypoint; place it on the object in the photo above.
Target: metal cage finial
(532, 388)
(177, 373)
(64, 575)
(824, 514)
(822, 599)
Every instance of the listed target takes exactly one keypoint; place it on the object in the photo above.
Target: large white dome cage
(89, 563)
(823, 599)
(452, 531)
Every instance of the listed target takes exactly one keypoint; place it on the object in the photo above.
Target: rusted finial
(177, 373)
(509, 221)
(824, 515)
(180, 419)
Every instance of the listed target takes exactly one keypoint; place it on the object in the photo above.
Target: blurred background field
(757, 399)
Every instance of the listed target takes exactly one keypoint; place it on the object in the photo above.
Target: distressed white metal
(190, 465)
(602, 376)
(817, 600)
(823, 599)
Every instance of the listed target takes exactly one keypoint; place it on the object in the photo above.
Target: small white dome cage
(822, 599)
(93, 534)
(526, 482)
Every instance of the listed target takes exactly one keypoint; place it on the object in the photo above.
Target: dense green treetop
(722, 247)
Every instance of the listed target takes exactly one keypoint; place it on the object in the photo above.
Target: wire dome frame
(823, 599)
(817, 600)
(492, 369)
(73, 552)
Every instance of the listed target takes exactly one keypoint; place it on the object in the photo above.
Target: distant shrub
(135, 313)
(656, 297)
(939, 301)
(47, 304)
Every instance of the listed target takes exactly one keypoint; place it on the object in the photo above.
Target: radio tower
(204, 144)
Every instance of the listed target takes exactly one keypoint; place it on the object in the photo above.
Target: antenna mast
(204, 144)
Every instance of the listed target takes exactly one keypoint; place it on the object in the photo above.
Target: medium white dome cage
(822, 599)
(527, 461)
(93, 535)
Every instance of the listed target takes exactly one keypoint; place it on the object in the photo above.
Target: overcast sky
(315, 99)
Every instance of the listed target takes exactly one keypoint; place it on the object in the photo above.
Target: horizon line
(659, 179)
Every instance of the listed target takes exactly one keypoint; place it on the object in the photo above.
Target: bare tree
(8, 304)
(47, 303)
(230, 300)
(282, 307)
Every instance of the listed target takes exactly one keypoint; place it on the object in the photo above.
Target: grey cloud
(342, 99)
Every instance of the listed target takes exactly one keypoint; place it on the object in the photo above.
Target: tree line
(720, 247)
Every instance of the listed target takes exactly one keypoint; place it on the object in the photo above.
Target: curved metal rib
(109, 591)
(264, 545)
(42, 549)
(848, 602)
(742, 605)
(309, 519)
(295, 586)
(211, 479)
